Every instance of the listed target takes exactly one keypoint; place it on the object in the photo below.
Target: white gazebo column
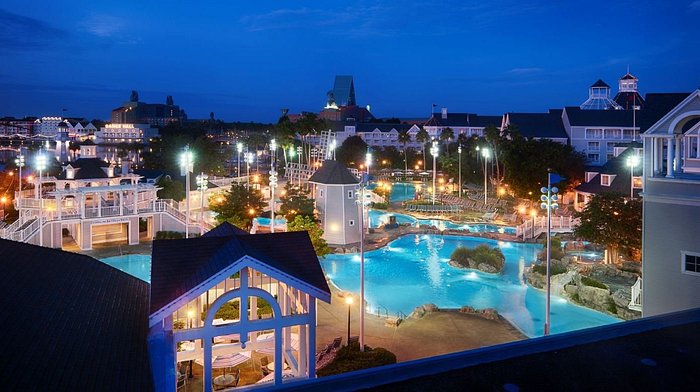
(120, 201)
(669, 158)
(59, 200)
(136, 200)
(99, 203)
(677, 158)
(312, 338)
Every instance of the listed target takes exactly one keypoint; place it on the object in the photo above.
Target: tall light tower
(632, 162)
(19, 162)
(239, 148)
(202, 181)
(363, 201)
(459, 153)
(486, 153)
(549, 200)
(186, 167)
(41, 163)
(434, 151)
(248, 160)
(273, 183)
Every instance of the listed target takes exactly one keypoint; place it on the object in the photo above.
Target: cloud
(694, 6)
(103, 25)
(22, 33)
(524, 71)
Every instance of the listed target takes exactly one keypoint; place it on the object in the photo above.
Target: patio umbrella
(227, 361)
(270, 337)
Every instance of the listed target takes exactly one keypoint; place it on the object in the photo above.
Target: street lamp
(248, 160)
(186, 167)
(485, 152)
(239, 148)
(549, 201)
(19, 162)
(348, 301)
(459, 152)
(202, 181)
(363, 201)
(41, 163)
(273, 184)
(632, 162)
(434, 151)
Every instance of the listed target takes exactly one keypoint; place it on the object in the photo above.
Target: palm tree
(404, 138)
(446, 136)
(422, 137)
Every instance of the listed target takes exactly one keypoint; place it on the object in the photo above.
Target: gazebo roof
(333, 173)
(179, 266)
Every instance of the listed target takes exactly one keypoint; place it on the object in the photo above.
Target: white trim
(666, 199)
(649, 132)
(685, 253)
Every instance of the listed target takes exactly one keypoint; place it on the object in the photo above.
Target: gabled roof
(600, 83)
(71, 323)
(224, 230)
(628, 76)
(616, 166)
(334, 173)
(599, 118)
(178, 266)
(86, 168)
(539, 125)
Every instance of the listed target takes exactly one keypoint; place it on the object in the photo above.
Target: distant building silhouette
(136, 112)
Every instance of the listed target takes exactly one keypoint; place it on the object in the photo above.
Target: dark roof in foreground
(225, 229)
(178, 266)
(618, 167)
(651, 354)
(334, 173)
(71, 323)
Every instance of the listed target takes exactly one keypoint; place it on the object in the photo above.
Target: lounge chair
(337, 341)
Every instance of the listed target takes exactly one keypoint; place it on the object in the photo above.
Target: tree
(170, 189)
(306, 223)
(446, 136)
(240, 205)
(495, 138)
(611, 220)
(352, 151)
(405, 138)
(422, 137)
(296, 202)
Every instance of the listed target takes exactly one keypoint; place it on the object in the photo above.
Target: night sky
(244, 60)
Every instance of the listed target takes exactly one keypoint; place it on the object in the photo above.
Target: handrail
(636, 300)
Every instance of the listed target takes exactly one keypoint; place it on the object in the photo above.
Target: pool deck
(435, 334)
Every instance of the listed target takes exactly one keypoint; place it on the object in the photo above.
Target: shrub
(169, 235)
(576, 298)
(610, 306)
(555, 249)
(380, 206)
(471, 258)
(592, 282)
(350, 359)
(553, 269)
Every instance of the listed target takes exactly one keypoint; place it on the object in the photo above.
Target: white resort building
(670, 239)
(88, 202)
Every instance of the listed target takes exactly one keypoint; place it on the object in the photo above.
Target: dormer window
(70, 173)
(590, 175)
(606, 179)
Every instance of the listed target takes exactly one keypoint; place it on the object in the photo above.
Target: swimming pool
(401, 191)
(413, 270)
(262, 221)
(136, 265)
(379, 217)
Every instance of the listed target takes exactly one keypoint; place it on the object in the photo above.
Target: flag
(555, 178)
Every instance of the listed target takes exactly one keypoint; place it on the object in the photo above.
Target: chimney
(444, 113)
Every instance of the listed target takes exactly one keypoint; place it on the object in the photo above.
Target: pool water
(379, 217)
(413, 270)
(262, 221)
(136, 265)
(401, 191)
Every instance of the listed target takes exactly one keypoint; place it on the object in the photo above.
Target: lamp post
(202, 181)
(459, 153)
(300, 150)
(549, 200)
(485, 152)
(41, 162)
(19, 161)
(632, 162)
(273, 183)
(248, 160)
(363, 200)
(348, 301)
(434, 151)
(239, 148)
(186, 167)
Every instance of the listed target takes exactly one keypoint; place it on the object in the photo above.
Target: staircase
(636, 302)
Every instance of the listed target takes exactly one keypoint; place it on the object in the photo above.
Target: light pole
(273, 183)
(248, 160)
(186, 167)
(19, 161)
(485, 152)
(239, 148)
(434, 151)
(549, 201)
(41, 162)
(364, 200)
(348, 301)
(459, 153)
(632, 162)
(300, 151)
(202, 181)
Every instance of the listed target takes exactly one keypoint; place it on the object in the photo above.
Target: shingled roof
(616, 166)
(601, 118)
(333, 173)
(87, 168)
(71, 323)
(463, 120)
(178, 266)
(539, 125)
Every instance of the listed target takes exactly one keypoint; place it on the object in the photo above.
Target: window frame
(686, 253)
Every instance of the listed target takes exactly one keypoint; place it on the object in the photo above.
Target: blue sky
(246, 60)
